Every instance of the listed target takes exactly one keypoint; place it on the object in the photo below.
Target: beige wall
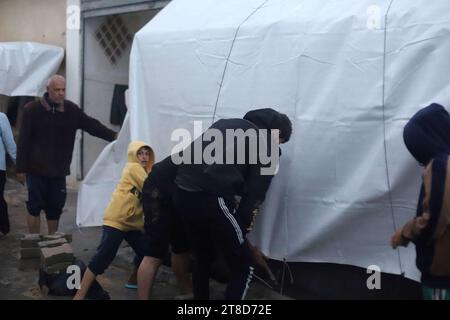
(33, 20)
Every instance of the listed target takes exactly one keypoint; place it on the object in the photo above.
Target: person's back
(241, 160)
(221, 177)
(234, 157)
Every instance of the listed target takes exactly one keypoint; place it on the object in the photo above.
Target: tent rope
(263, 282)
(291, 276)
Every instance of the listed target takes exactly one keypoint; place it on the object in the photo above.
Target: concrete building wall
(33, 20)
(100, 78)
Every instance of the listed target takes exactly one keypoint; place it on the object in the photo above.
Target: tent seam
(228, 57)
(384, 131)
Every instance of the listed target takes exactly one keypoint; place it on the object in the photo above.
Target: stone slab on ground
(52, 243)
(30, 253)
(51, 256)
(58, 235)
(30, 240)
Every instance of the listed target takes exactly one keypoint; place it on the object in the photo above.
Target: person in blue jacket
(7, 145)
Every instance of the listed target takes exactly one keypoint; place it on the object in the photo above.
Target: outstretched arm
(96, 128)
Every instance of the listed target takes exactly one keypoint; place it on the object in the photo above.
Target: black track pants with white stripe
(211, 226)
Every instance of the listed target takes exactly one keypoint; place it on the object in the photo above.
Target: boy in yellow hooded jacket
(123, 217)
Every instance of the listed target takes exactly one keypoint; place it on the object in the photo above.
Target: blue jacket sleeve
(7, 136)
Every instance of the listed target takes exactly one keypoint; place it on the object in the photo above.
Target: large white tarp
(348, 73)
(98, 185)
(26, 66)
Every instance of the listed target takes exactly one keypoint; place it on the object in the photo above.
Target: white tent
(349, 74)
(26, 66)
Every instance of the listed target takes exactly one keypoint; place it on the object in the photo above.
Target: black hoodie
(427, 137)
(237, 178)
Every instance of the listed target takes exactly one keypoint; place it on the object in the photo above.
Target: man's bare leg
(34, 223)
(181, 264)
(86, 283)
(146, 276)
(52, 226)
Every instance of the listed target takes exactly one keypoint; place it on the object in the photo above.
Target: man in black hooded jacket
(427, 137)
(234, 158)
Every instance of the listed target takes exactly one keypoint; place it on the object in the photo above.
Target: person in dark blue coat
(427, 137)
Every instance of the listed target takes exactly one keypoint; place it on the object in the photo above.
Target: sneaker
(131, 286)
(132, 280)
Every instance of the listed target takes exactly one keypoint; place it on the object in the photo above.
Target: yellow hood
(133, 148)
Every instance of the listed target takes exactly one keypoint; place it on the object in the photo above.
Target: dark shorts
(214, 227)
(47, 194)
(163, 227)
